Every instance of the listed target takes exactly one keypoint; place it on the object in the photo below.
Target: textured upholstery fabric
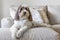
(42, 34)
(54, 14)
(6, 22)
(32, 34)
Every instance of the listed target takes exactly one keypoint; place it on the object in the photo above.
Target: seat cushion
(5, 34)
(41, 33)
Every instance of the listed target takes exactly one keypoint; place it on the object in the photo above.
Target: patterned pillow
(36, 16)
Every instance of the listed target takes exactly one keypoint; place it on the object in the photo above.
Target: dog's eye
(26, 8)
(21, 8)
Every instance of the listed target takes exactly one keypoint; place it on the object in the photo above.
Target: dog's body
(20, 27)
(22, 22)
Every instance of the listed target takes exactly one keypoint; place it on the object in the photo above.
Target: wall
(8, 3)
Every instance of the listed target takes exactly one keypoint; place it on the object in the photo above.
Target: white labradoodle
(22, 21)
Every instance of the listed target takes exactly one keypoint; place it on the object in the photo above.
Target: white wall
(0, 11)
(8, 3)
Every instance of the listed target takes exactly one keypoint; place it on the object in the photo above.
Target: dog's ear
(17, 13)
(30, 16)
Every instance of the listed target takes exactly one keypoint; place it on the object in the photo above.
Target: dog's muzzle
(24, 13)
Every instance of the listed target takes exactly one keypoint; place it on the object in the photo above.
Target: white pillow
(54, 14)
(13, 11)
(35, 14)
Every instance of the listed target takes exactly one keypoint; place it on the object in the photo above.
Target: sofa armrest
(6, 22)
(41, 33)
(56, 28)
(5, 34)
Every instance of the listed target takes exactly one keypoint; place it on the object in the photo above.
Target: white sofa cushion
(6, 22)
(32, 34)
(54, 14)
(36, 16)
(41, 33)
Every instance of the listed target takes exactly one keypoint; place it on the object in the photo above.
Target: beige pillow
(43, 12)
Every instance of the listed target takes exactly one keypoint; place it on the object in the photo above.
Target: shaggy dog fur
(22, 21)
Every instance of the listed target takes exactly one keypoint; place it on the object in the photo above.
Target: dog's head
(23, 12)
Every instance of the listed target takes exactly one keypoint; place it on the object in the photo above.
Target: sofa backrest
(54, 14)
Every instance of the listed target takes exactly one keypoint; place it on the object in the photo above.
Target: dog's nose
(24, 13)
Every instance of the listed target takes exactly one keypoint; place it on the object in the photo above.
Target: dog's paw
(19, 34)
(14, 36)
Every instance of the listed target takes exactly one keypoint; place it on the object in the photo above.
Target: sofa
(38, 33)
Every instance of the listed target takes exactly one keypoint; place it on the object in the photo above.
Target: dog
(22, 22)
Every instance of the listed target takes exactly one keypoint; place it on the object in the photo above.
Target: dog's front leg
(13, 31)
(22, 31)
